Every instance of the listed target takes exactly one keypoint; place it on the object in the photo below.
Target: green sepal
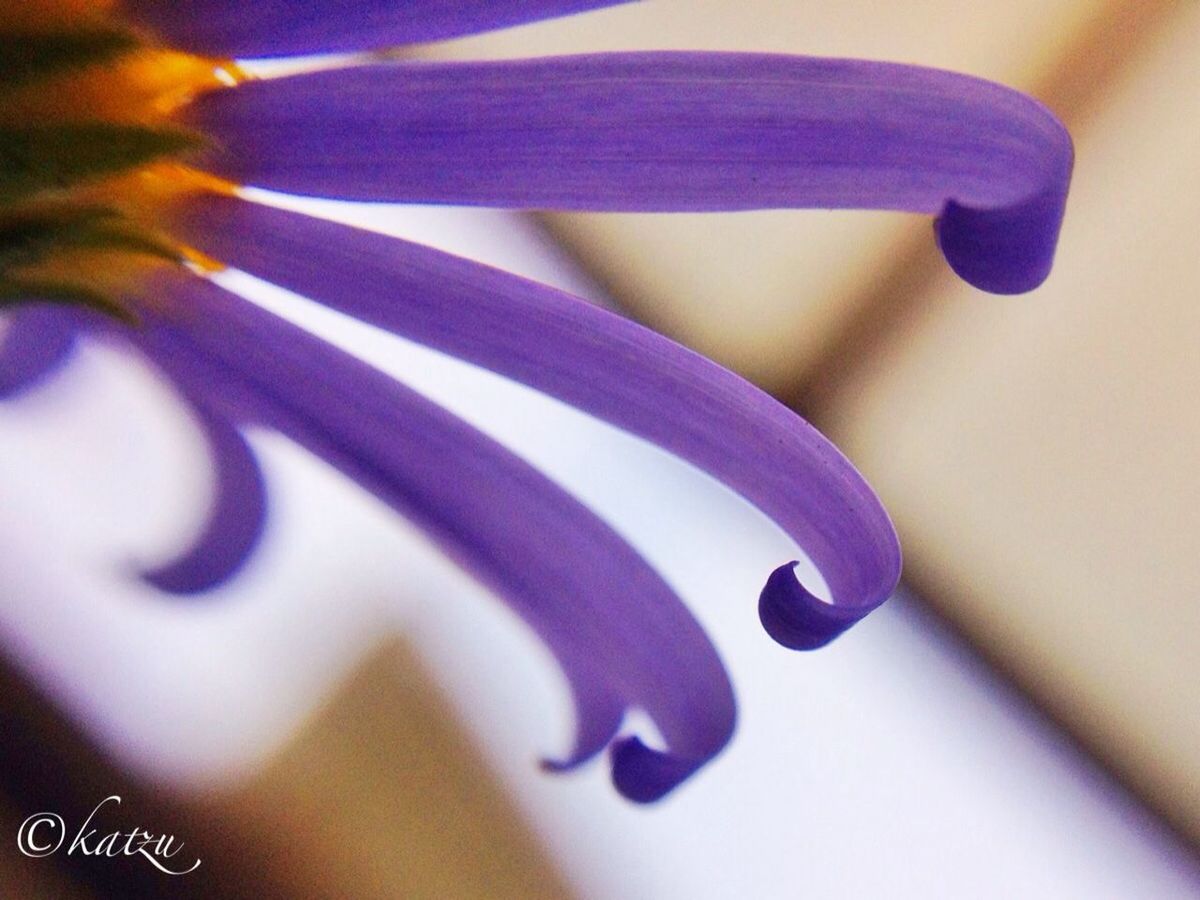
(26, 58)
(30, 239)
(47, 158)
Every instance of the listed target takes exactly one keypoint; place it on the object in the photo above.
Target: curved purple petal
(599, 712)
(620, 634)
(237, 515)
(598, 362)
(235, 28)
(668, 131)
(39, 340)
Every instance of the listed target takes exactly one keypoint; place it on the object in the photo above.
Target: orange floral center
(91, 161)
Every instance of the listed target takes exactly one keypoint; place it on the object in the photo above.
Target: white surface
(887, 764)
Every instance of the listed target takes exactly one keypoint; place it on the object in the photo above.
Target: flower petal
(620, 634)
(237, 516)
(598, 362)
(284, 27)
(668, 131)
(39, 339)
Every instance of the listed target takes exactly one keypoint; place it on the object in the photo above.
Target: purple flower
(103, 204)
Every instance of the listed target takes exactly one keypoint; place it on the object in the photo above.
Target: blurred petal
(620, 634)
(597, 362)
(237, 516)
(668, 131)
(37, 341)
(41, 338)
(284, 27)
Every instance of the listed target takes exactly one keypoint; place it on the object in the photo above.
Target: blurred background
(352, 717)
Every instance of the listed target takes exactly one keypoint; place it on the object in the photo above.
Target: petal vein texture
(622, 637)
(597, 362)
(668, 132)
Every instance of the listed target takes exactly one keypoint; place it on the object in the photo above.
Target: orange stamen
(150, 189)
(142, 87)
(146, 200)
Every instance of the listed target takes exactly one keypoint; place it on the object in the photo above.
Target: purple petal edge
(235, 28)
(38, 341)
(668, 132)
(237, 515)
(622, 637)
(598, 362)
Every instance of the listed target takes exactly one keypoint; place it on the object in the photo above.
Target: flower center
(91, 162)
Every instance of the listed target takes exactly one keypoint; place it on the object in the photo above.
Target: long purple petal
(668, 131)
(622, 637)
(598, 362)
(39, 339)
(237, 516)
(238, 28)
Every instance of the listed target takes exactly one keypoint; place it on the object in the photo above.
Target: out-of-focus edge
(380, 795)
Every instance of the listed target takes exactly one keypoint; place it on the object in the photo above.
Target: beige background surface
(1040, 454)
(763, 292)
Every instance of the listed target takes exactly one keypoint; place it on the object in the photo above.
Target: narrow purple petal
(598, 362)
(237, 516)
(39, 339)
(236, 28)
(622, 637)
(669, 131)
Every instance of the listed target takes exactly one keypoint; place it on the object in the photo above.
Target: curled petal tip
(796, 618)
(195, 573)
(236, 522)
(599, 718)
(620, 634)
(644, 775)
(1003, 250)
(566, 764)
(1008, 247)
